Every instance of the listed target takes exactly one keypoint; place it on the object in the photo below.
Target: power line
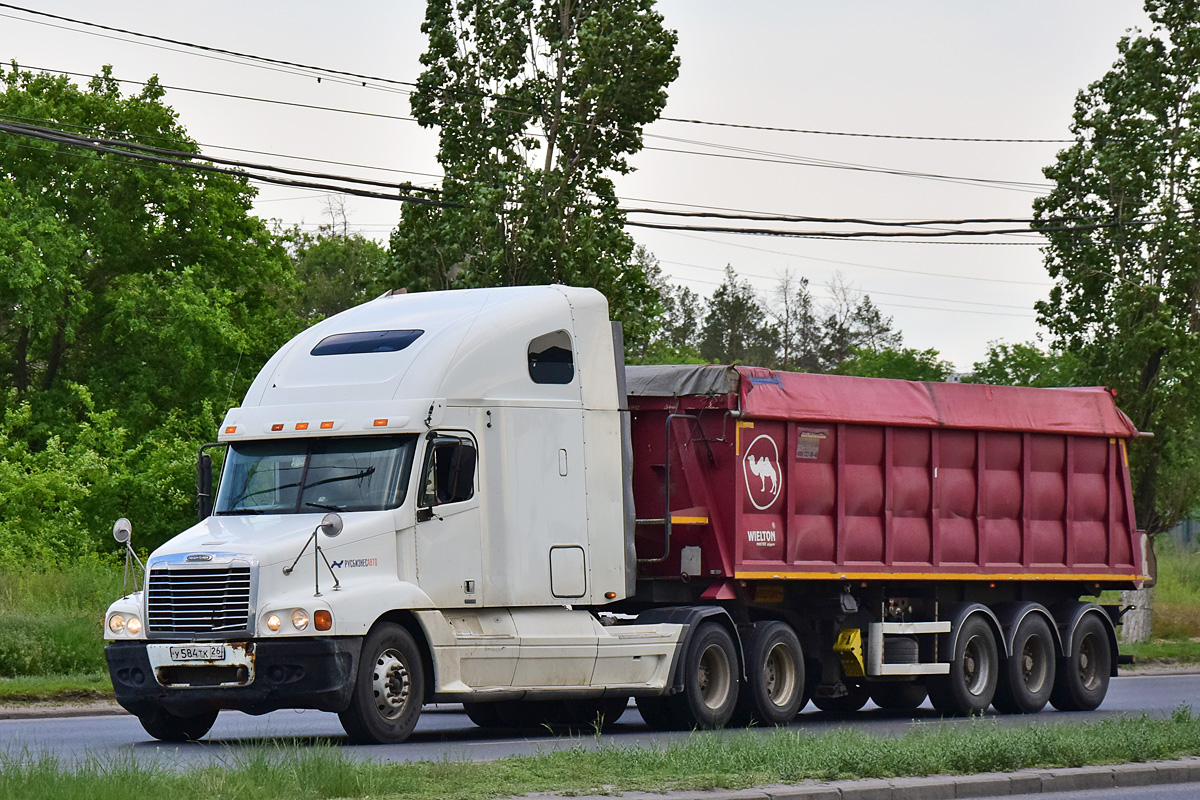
(864, 135)
(359, 77)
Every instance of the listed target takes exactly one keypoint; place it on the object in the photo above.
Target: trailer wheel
(1027, 678)
(389, 689)
(899, 695)
(171, 728)
(855, 698)
(775, 679)
(974, 671)
(1082, 680)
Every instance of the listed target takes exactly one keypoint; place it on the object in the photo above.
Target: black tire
(659, 713)
(1082, 680)
(974, 672)
(170, 728)
(485, 715)
(597, 714)
(855, 698)
(389, 689)
(899, 695)
(774, 688)
(1027, 676)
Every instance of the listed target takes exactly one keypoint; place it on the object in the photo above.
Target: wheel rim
(713, 678)
(391, 683)
(1089, 662)
(1034, 664)
(976, 665)
(779, 675)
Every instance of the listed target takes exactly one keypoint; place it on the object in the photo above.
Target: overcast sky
(948, 69)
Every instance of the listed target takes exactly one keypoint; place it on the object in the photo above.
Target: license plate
(204, 652)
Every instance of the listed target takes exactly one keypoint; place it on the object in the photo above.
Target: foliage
(136, 300)
(1125, 251)
(674, 334)
(538, 105)
(335, 271)
(1024, 364)
(904, 363)
(699, 761)
(736, 328)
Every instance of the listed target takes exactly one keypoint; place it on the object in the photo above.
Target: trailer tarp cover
(1090, 411)
(681, 380)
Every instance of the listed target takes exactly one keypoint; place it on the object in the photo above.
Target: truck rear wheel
(774, 686)
(710, 685)
(389, 689)
(854, 699)
(171, 728)
(1082, 680)
(1027, 677)
(974, 671)
(899, 695)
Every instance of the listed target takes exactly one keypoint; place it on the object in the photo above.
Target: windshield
(297, 476)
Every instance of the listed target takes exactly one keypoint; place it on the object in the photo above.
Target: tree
(146, 284)
(904, 363)
(676, 337)
(1124, 250)
(852, 321)
(736, 326)
(1024, 365)
(574, 79)
(801, 338)
(136, 302)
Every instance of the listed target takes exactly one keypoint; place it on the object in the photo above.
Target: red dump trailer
(917, 538)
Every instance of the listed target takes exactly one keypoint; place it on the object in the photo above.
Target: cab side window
(449, 475)
(550, 358)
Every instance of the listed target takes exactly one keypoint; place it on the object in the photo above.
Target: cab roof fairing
(473, 351)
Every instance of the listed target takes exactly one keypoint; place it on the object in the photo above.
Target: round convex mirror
(122, 530)
(331, 524)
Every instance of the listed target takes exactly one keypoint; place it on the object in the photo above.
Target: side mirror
(122, 531)
(331, 524)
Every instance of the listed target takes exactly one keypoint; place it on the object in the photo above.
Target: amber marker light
(326, 425)
(301, 426)
(610, 595)
(231, 429)
(278, 426)
(323, 620)
(380, 423)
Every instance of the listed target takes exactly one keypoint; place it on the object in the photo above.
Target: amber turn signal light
(323, 620)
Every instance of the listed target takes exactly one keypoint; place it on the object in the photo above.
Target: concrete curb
(949, 787)
(56, 710)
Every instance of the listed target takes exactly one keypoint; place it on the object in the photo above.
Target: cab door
(448, 536)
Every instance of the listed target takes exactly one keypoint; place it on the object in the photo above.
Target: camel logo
(761, 467)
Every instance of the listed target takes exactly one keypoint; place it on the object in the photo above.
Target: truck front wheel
(388, 690)
(171, 728)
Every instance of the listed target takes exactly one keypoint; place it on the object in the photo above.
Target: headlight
(134, 626)
(299, 619)
(273, 622)
(116, 623)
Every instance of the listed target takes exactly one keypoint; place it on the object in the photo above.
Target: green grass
(702, 761)
(75, 687)
(51, 626)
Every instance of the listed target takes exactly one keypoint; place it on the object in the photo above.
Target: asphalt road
(444, 732)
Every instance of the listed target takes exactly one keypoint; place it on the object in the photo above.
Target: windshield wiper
(325, 506)
(362, 473)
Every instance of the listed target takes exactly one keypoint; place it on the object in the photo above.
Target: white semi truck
(465, 449)
(431, 498)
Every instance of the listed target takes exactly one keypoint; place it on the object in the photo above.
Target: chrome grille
(206, 600)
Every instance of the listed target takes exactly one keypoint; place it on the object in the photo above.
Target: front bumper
(313, 673)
